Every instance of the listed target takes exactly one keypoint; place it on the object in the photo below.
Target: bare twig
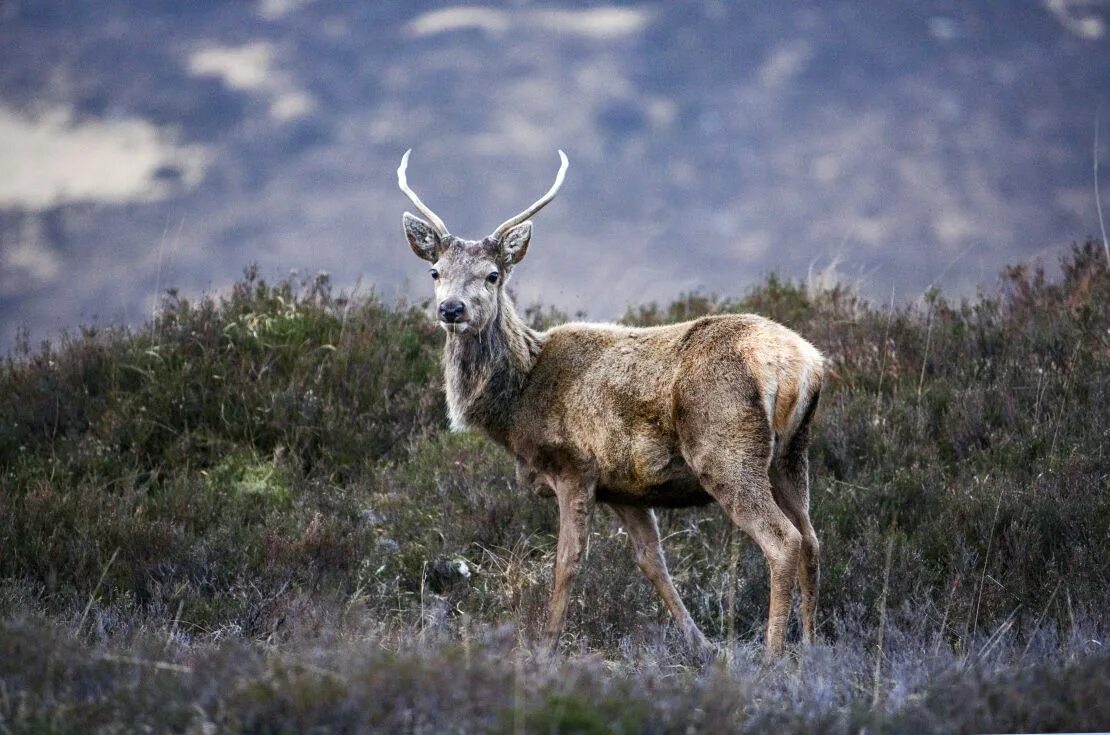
(876, 687)
(423, 582)
(95, 590)
(1071, 616)
(986, 561)
(1040, 619)
(1098, 199)
(882, 364)
(176, 623)
(731, 596)
(944, 619)
(1063, 400)
(951, 263)
(925, 355)
(996, 636)
(149, 663)
(320, 670)
(158, 279)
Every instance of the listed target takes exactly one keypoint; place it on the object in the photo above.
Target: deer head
(469, 274)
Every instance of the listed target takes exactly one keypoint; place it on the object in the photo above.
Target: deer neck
(485, 372)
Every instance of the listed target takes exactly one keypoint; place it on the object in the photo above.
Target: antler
(402, 182)
(538, 204)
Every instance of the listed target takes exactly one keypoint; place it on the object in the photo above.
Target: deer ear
(423, 238)
(514, 243)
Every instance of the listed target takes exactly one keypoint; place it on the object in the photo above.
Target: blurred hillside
(154, 142)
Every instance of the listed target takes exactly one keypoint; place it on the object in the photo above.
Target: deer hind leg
(752, 508)
(575, 502)
(644, 534)
(790, 484)
(728, 445)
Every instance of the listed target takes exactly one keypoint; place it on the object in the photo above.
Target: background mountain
(156, 143)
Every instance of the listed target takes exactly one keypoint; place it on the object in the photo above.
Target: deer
(714, 410)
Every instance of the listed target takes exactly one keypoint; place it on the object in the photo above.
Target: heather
(248, 515)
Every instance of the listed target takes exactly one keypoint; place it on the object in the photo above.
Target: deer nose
(452, 310)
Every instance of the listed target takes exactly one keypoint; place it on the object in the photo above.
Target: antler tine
(539, 203)
(402, 181)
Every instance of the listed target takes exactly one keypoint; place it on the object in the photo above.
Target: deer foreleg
(575, 503)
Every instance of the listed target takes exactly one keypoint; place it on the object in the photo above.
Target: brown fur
(717, 409)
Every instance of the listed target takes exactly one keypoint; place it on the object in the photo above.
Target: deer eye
(435, 274)
(493, 276)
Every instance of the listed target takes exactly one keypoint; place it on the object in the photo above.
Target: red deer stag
(716, 409)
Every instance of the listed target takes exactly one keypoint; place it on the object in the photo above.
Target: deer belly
(681, 493)
(635, 459)
(648, 471)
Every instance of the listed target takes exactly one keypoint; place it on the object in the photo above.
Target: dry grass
(249, 517)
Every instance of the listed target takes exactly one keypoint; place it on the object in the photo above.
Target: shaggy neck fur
(485, 372)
